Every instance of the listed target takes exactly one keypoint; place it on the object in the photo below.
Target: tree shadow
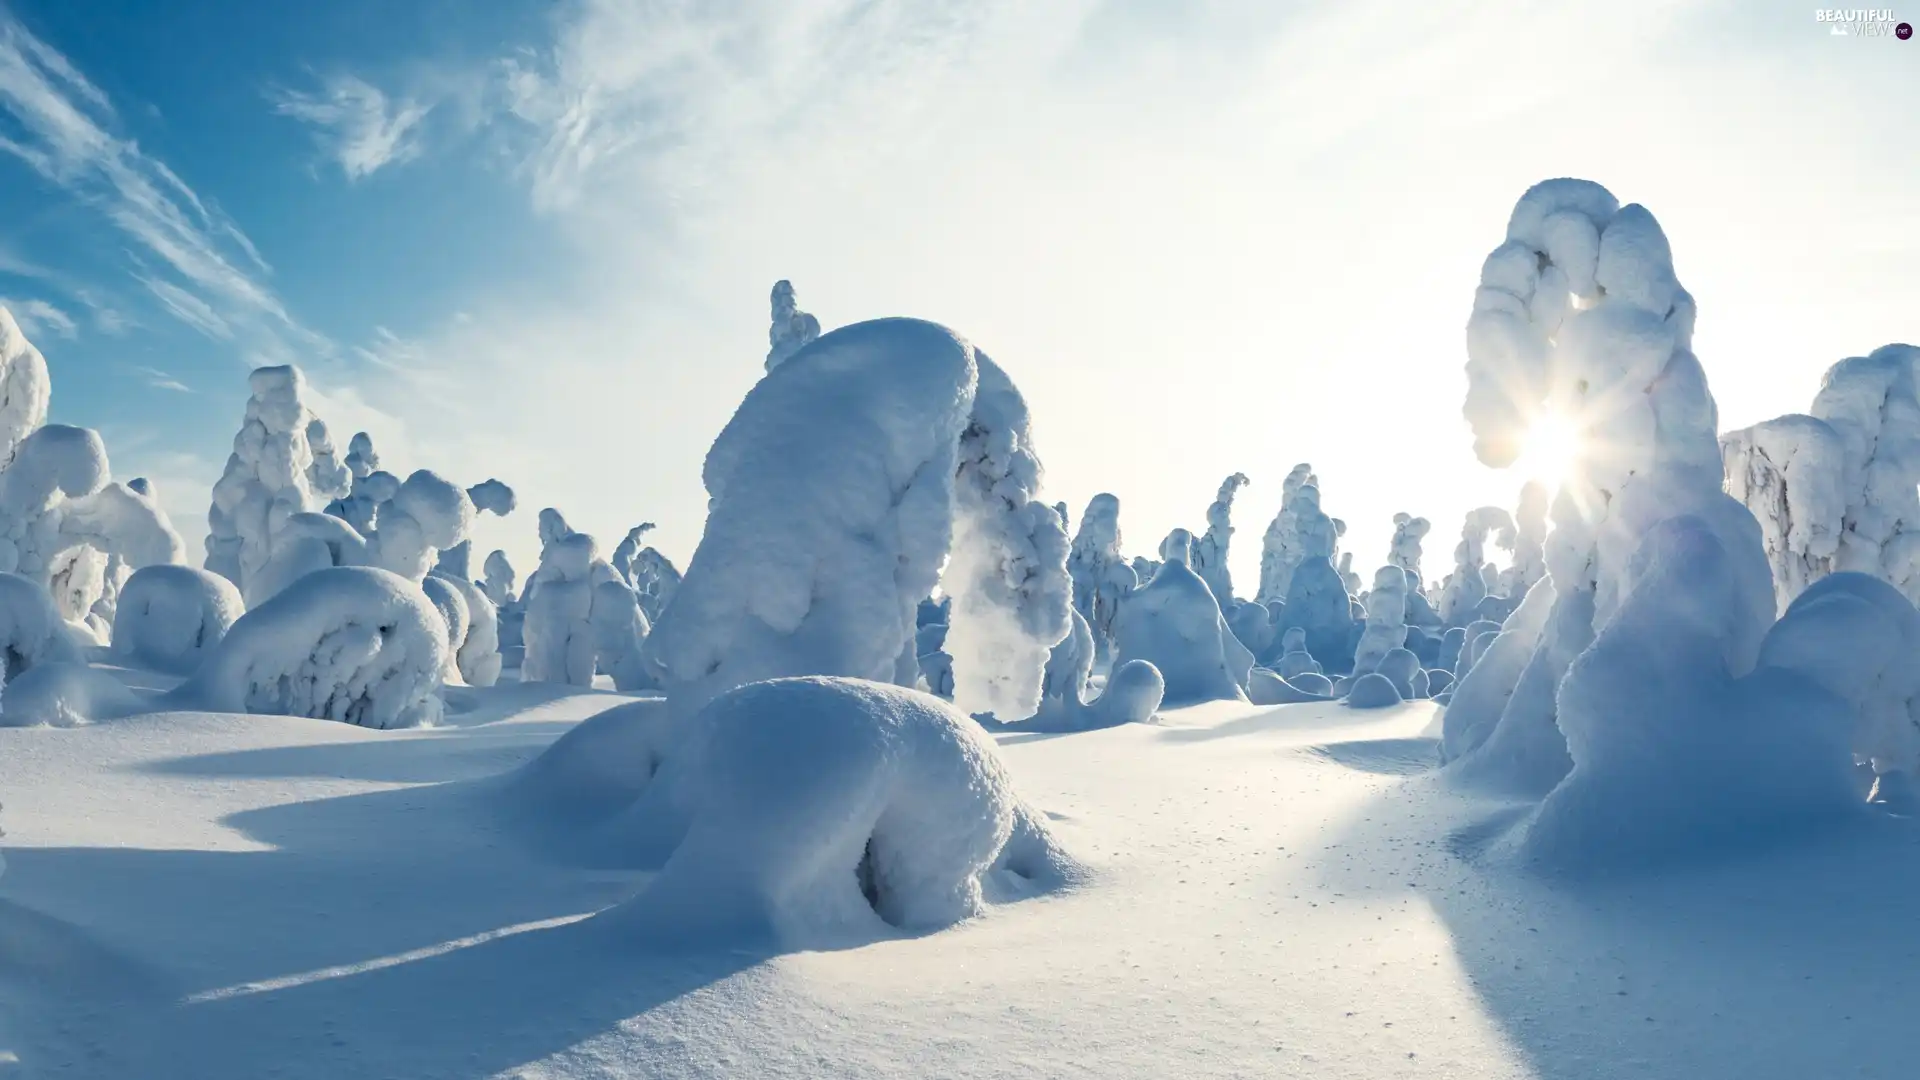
(1800, 959)
(426, 756)
(1297, 717)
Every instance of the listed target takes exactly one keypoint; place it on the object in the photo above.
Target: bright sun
(1551, 446)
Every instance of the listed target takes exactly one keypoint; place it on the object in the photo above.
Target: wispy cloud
(38, 318)
(67, 130)
(160, 380)
(358, 125)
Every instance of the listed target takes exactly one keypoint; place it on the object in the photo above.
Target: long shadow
(470, 1012)
(1794, 961)
(1280, 718)
(429, 756)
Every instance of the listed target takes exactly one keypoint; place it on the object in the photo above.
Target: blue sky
(534, 241)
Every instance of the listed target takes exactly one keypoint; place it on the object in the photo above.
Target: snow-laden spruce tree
(488, 497)
(1102, 576)
(1386, 628)
(1007, 572)
(64, 523)
(845, 479)
(370, 485)
(1408, 533)
(792, 329)
(1280, 550)
(282, 464)
(1579, 313)
(628, 549)
(499, 579)
(1791, 473)
(1461, 593)
(559, 632)
(1210, 551)
(1529, 563)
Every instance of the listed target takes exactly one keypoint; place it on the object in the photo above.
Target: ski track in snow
(1287, 891)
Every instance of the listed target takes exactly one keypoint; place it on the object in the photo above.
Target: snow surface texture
(1102, 576)
(1673, 752)
(282, 464)
(169, 617)
(1007, 574)
(354, 644)
(823, 811)
(1174, 624)
(1466, 587)
(1579, 313)
(1210, 551)
(1300, 530)
(792, 329)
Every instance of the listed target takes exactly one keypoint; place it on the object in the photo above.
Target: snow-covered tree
(1210, 551)
(1102, 577)
(559, 632)
(628, 549)
(1298, 532)
(1529, 562)
(1579, 313)
(1386, 627)
(1791, 473)
(1461, 593)
(1174, 623)
(1177, 547)
(792, 329)
(499, 579)
(282, 464)
(835, 494)
(655, 580)
(1408, 533)
(619, 635)
(488, 497)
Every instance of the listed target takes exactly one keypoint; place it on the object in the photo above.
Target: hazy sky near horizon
(535, 241)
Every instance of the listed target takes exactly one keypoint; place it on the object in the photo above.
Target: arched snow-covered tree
(1210, 551)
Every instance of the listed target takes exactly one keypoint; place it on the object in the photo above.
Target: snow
(426, 515)
(822, 812)
(558, 630)
(1372, 690)
(619, 634)
(1174, 624)
(281, 464)
(792, 329)
(26, 389)
(1102, 576)
(1790, 472)
(500, 578)
(354, 644)
(1299, 531)
(1386, 627)
(1465, 588)
(1408, 534)
(1318, 605)
(169, 617)
(478, 656)
(1210, 551)
(31, 630)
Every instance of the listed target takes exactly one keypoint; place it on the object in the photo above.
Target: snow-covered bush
(31, 630)
(1579, 313)
(1210, 551)
(821, 811)
(1373, 690)
(1386, 627)
(835, 494)
(1007, 574)
(1063, 687)
(355, 644)
(558, 630)
(1102, 577)
(169, 617)
(1672, 748)
(792, 329)
(1174, 624)
(282, 464)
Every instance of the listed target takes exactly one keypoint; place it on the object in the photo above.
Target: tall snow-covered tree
(792, 329)
(282, 464)
(1210, 551)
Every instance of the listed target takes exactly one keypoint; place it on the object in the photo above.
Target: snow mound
(1174, 624)
(31, 630)
(1266, 688)
(355, 644)
(1133, 693)
(169, 617)
(68, 694)
(1672, 752)
(822, 811)
(1373, 691)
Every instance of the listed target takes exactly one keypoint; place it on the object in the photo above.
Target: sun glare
(1552, 445)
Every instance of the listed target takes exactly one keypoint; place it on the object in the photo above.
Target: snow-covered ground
(1290, 891)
